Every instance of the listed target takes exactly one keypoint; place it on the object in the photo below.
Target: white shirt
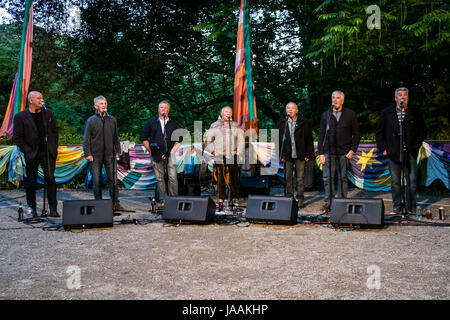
(163, 124)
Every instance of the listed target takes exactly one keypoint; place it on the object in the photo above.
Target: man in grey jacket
(226, 142)
(102, 147)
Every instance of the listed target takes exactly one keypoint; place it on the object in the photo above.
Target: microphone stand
(402, 163)
(114, 169)
(225, 168)
(165, 159)
(330, 180)
(44, 211)
(281, 153)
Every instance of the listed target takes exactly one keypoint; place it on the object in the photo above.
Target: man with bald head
(296, 143)
(226, 142)
(36, 136)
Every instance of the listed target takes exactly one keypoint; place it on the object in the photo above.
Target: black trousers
(32, 166)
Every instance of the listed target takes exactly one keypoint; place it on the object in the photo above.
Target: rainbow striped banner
(244, 97)
(19, 92)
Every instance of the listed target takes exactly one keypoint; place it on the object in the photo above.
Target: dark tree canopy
(137, 53)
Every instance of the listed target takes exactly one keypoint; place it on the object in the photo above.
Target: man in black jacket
(388, 141)
(296, 144)
(35, 131)
(339, 129)
(102, 147)
(157, 139)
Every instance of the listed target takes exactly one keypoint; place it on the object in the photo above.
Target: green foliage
(9, 49)
(125, 136)
(137, 53)
(68, 135)
(368, 65)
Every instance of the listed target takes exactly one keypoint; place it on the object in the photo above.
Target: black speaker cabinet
(277, 210)
(255, 185)
(189, 209)
(364, 213)
(87, 213)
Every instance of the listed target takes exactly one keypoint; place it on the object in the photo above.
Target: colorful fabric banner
(141, 175)
(69, 163)
(5, 155)
(434, 163)
(244, 90)
(19, 92)
(368, 167)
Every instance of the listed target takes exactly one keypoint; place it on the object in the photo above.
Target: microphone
(43, 106)
(333, 107)
(164, 114)
(229, 117)
(106, 112)
(402, 102)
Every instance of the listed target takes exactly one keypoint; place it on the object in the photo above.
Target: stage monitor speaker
(360, 212)
(190, 209)
(255, 185)
(87, 214)
(277, 210)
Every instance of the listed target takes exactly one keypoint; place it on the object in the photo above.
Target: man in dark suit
(388, 141)
(157, 139)
(297, 146)
(339, 127)
(36, 135)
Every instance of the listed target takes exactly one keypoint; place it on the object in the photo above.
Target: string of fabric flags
(368, 171)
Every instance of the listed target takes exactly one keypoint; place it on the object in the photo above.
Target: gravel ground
(229, 260)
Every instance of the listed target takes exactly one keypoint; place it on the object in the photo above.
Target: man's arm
(175, 147)
(18, 132)
(355, 137)
(53, 128)
(210, 138)
(309, 142)
(240, 148)
(379, 134)
(146, 144)
(117, 146)
(145, 134)
(321, 138)
(87, 142)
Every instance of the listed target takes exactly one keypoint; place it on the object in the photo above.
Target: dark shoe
(326, 207)
(300, 203)
(44, 215)
(54, 214)
(116, 214)
(118, 207)
(395, 211)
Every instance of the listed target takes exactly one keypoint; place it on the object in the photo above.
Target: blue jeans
(158, 166)
(97, 164)
(341, 169)
(411, 183)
